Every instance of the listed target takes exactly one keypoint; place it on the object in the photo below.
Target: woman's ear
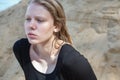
(57, 28)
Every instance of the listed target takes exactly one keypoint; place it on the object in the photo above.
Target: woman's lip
(31, 35)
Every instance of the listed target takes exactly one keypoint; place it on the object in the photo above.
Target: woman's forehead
(35, 6)
(37, 9)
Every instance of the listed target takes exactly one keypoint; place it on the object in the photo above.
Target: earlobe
(56, 30)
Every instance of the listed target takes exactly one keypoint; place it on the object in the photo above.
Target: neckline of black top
(56, 66)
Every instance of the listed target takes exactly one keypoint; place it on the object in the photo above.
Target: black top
(71, 65)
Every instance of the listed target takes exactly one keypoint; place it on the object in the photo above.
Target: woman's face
(39, 24)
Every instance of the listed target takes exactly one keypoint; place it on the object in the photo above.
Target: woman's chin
(33, 41)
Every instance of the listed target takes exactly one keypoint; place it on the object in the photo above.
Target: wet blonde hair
(57, 12)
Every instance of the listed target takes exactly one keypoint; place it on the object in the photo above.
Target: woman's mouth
(32, 35)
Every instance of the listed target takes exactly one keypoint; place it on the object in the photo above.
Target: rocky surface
(93, 24)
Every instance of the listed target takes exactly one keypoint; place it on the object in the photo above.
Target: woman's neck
(45, 49)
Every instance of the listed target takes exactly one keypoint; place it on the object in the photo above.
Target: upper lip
(30, 33)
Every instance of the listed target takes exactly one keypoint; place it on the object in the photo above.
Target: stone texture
(93, 24)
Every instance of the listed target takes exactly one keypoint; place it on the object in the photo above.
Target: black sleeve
(77, 67)
(17, 52)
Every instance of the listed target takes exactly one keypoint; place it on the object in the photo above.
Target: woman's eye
(27, 19)
(40, 20)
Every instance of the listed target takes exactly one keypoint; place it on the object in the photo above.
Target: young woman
(46, 53)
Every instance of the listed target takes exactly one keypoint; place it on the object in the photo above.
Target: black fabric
(71, 65)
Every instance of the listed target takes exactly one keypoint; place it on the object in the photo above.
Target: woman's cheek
(44, 28)
(26, 28)
(41, 30)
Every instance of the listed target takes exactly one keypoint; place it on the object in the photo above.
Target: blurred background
(93, 24)
(4, 4)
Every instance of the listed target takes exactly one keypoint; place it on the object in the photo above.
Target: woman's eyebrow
(40, 16)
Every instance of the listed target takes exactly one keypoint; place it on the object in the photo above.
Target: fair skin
(39, 29)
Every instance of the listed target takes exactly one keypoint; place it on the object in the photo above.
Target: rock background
(93, 24)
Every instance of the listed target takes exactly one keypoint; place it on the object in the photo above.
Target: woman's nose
(32, 25)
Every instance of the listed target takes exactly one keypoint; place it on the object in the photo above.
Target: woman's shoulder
(21, 47)
(71, 55)
(21, 43)
(76, 65)
(68, 49)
